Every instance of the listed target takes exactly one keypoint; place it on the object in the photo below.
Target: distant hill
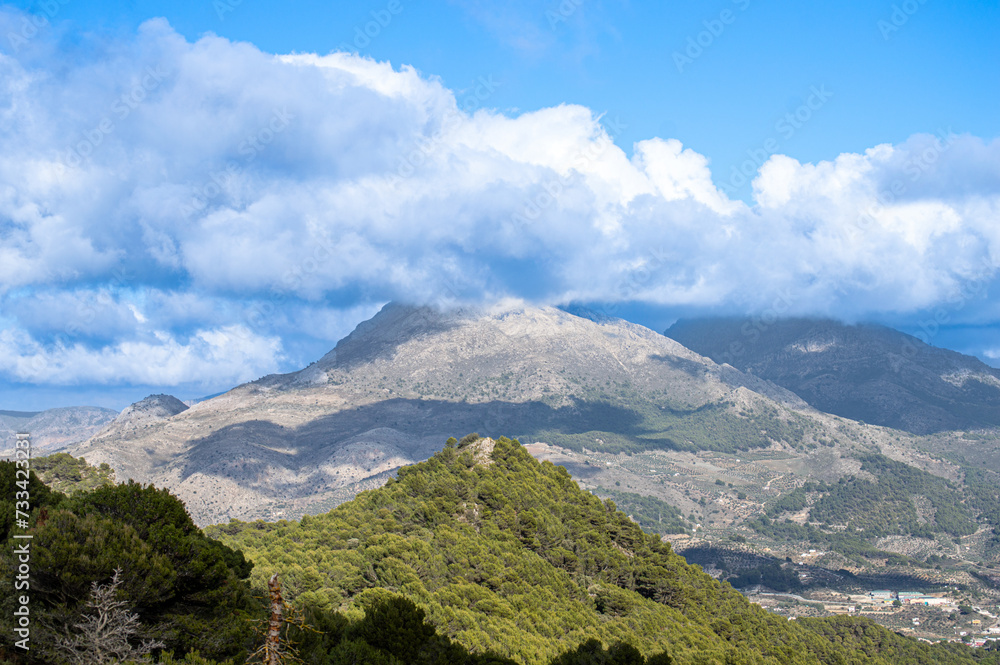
(149, 410)
(53, 429)
(868, 373)
(507, 554)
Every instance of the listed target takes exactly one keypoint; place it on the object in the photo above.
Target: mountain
(148, 411)
(700, 452)
(388, 393)
(867, 373)
(53, 429)
(479, 556)
(623, 408)
(507, 554)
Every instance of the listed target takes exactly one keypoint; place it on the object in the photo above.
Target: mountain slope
(154, 407)
(53, 429)
(862, 372)
(507, 554)
(305, 441)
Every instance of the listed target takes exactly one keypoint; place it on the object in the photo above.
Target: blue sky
(894, 69)
(198, 212)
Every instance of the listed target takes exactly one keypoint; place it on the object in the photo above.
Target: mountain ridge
(53, 429)
(864, 372)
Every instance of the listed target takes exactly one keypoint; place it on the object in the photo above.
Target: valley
(721, 498)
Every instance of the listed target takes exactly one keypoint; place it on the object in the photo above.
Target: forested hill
(863, 372)
(507, 554)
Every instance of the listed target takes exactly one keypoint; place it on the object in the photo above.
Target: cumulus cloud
(179, 203)
(234, 354)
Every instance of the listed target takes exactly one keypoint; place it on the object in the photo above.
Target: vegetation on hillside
(654, 423)
(507, 555)
(479, 556)
(847, 516)
(67, 474)
(189, 590)
(887, 506)
(651, 514)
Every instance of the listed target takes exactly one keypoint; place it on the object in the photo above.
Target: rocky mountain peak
(481, 449)
(395, 324)
(154, 407)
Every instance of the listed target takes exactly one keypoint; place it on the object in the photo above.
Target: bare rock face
(147, 411)
(54, 429)
(482, 451)
(397, 387)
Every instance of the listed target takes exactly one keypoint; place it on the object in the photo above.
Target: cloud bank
(175, 212)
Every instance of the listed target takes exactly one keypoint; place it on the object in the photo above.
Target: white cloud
(227, 355)
(220, 178)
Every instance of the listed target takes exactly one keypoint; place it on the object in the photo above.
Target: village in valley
(926, 616)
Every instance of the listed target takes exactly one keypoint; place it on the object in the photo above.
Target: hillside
(53, 429)
(508, 554)
(178, 587)
(69, 475)
(867, 373)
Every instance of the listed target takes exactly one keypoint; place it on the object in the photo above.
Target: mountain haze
(53, 429)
